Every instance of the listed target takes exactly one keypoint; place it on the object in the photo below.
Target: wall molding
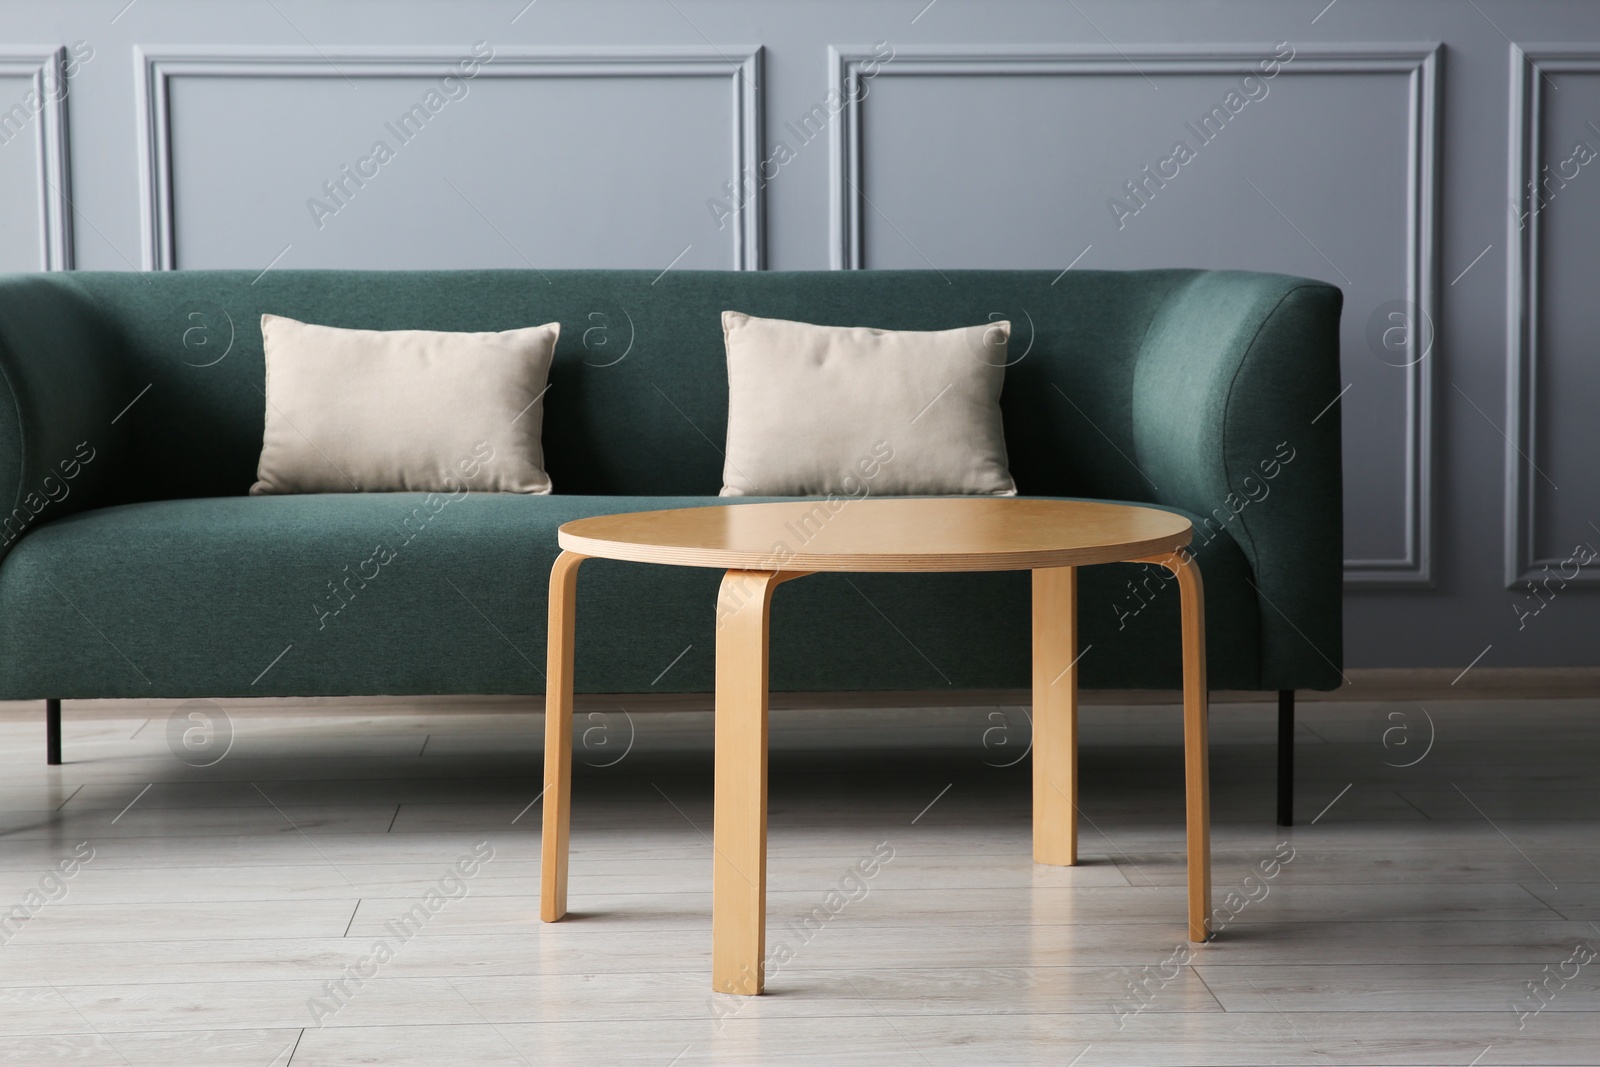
(1529, 64)
(156, 66)
(1421, 62)
(45, 66)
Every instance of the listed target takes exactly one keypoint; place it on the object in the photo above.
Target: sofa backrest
(638, 398)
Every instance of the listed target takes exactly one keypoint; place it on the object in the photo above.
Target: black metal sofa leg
(1286, 757)
(52, 732)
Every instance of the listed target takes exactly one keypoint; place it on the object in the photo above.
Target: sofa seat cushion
(410, 593)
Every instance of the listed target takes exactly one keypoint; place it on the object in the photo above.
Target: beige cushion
(403, 410)
(819, 410)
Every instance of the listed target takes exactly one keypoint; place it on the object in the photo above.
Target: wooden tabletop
(905, 534)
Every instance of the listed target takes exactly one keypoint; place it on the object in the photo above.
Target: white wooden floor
(222, 903)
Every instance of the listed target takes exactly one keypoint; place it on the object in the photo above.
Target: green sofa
(135, 565)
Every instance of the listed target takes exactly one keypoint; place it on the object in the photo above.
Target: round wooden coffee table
(763, 545)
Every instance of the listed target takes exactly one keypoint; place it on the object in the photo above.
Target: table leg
(558, 737)
(1055, 716)
(1195, 746)
(739, 829)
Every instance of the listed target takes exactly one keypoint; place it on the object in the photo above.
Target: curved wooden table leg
(1196, 760)
(739, 830)
(1055, 716)
(558, 737)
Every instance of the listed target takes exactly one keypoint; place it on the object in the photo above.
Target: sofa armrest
(1234, 420)
(59, 396)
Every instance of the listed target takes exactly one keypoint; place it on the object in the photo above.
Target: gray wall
(1384, 154)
